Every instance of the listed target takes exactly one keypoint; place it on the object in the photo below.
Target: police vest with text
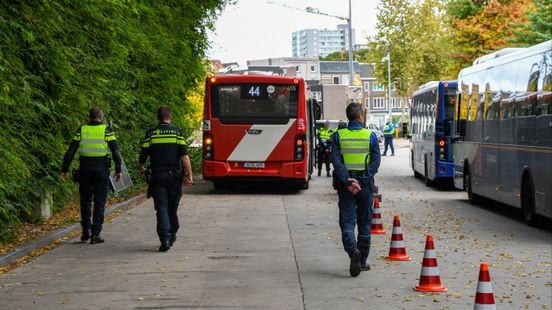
(355, 148)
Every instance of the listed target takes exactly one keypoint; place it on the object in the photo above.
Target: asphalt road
(269, 247)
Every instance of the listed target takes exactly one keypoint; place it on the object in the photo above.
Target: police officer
(166, 148)
(356, 159)
(324, 146)
(388, 130)
(92, 141)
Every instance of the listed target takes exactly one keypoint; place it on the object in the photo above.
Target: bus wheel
(427, 181)
(303, 185)
(218, 185)
(473, 198)
(528, 202)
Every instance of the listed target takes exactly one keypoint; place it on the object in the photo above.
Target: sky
(255, 29)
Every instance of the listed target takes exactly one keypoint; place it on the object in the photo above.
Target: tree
(58, 58)
(418, 38)
(393, 23)
(429, 36)
(344, 55)
(489, 29)
(539, 24)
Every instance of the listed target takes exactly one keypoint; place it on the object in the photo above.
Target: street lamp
(388, 59)
(349, 22)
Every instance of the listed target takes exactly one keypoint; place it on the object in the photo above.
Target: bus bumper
(444, 170)
(235, 170)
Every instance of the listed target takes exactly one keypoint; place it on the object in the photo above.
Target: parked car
(374, 128)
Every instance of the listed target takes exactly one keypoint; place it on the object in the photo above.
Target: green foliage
(462, 9)
(60, 57)
(539, 26)
(344, 55)
(418, 40)
(434, 39)
(489, 30)
(394, 19)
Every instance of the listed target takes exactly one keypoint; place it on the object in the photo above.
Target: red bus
(257, 127)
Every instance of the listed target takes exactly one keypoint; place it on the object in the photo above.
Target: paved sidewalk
(214, 263)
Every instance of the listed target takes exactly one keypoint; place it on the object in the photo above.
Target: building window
(377, 87)
(367, 104)
(298, 68)
(396, 102)
(366, 86)
(313, 69)
(378, 103)
(336, 80)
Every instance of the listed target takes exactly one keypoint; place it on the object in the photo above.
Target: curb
(13, 255)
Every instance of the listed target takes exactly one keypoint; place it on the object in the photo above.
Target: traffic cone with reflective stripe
(377, 226)
(397, 250)
(430, 281)
(484, 297)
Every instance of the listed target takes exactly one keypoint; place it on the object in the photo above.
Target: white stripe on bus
(258, 147)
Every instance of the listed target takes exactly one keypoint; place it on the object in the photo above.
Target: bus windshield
(254, 103)
(450, 108)
(450, 103)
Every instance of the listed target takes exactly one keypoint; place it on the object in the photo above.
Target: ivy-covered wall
(59, 58)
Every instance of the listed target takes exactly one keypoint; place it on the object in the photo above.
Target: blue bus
(504, 130)
(432, 123)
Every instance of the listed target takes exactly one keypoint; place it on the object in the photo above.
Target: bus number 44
(255, 91)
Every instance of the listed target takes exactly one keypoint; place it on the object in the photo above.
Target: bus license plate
(253, 165)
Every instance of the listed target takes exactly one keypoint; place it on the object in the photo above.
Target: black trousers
(324, 156)
(94, 185)
(166, 190)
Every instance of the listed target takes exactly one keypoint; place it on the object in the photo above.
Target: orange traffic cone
(377, 226)
(430, 281)
(484, 297)
(397, 250)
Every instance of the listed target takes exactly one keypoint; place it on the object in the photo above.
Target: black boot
(365, 267)
(85, 234)
(172, 241)
(354, 267)
(96, 239)
(328, 174)
(165, 246)
(319, 172)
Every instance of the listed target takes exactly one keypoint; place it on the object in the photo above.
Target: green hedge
(59, 58)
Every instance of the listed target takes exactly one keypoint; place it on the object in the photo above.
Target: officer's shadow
(325, 274)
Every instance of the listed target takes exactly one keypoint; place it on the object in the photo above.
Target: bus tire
(528, 201)
(304, 185)
(473, 198)
(219, 185)
(427, 181)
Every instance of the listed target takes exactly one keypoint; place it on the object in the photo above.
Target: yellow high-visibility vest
(355, 147)
(325, 134)
(93, 140)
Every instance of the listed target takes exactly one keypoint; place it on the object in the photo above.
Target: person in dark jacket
(356, 159)
(93, 141)
(166, 148)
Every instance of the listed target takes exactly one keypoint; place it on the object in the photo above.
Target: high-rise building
(320, 43)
